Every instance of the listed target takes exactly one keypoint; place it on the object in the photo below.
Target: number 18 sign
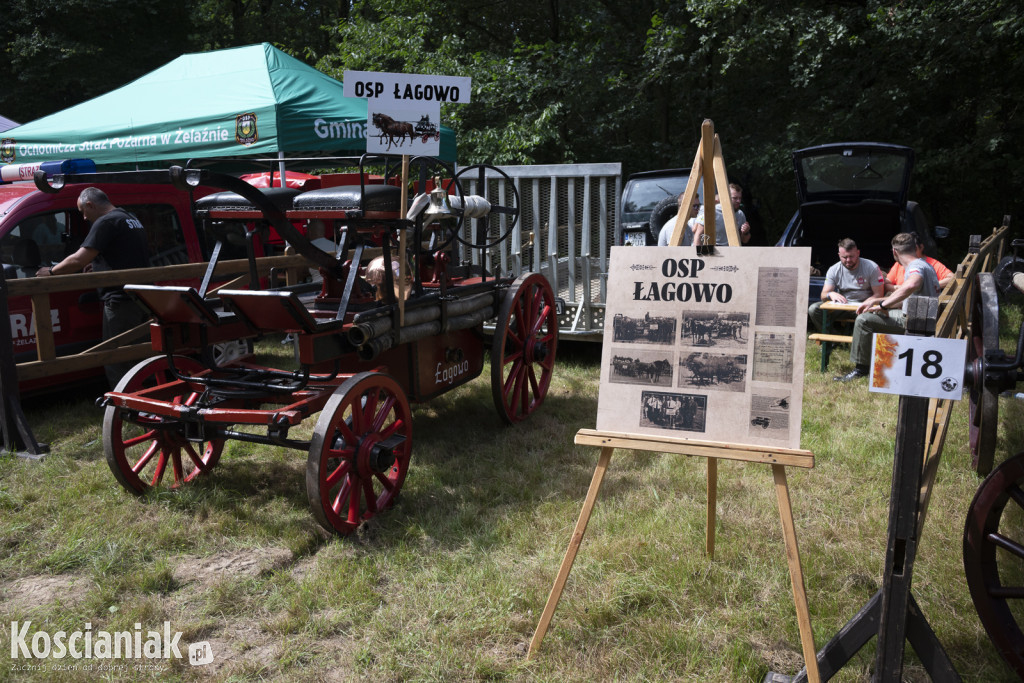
(918, 366)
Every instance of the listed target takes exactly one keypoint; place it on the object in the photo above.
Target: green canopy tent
(254, 101)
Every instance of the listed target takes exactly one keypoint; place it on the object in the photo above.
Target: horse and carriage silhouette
(706, 370)
(634, 368)
(395, 132)
(708, 331)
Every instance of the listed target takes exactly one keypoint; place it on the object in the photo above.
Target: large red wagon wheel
(984, 397)
(140, 453)
(994, 558)
(359, 454)
(523, 351)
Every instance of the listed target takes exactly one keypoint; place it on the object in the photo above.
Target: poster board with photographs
(707, 347)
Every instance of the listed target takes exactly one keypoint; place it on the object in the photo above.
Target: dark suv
(856, 190)
(642, 193)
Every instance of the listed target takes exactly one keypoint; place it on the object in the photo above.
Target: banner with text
(706, 347)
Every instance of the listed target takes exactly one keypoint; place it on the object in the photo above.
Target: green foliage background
(573, 81)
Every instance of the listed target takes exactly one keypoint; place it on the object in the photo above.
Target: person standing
(665, 234)
(721, 238)
(116, 241)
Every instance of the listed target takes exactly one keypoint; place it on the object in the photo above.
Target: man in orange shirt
(894, 278)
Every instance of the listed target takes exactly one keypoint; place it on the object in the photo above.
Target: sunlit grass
(450, 584)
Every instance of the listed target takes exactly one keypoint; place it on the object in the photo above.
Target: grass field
(449, 585)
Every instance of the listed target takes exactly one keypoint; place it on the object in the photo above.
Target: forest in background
(564, 81)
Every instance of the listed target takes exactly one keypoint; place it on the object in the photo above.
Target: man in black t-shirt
(116, 241)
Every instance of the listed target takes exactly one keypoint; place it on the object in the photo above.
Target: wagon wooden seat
(187, 320)
(182, 305)
(276, 311)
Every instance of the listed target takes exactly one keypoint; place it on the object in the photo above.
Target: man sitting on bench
(894, 278)
(882, 313)
(852, 280)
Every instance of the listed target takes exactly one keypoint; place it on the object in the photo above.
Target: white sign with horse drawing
(400, 128)
(705, 347)
(403, 111)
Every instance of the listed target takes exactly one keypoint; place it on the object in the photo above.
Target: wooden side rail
(132, 345)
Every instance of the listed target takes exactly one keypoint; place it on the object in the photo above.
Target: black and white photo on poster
(769, 415)
(713, 371)
(774, 356)
(631, 365)
(676, 412)
(715, 328)
(644, 329)
(775, 288)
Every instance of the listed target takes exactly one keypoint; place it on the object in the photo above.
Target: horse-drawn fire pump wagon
(394, 320)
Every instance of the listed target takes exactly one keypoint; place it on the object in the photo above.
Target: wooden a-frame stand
(709, 156)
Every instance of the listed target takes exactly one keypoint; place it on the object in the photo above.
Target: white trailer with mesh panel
(568, 222)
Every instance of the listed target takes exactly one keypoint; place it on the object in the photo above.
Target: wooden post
(904, 512)
(17, 434)
(728, 215)
(402, 213)
(892, 614)
(796, 573)
(707, 145)
(689, 194)
(712, 506)
(709, 166)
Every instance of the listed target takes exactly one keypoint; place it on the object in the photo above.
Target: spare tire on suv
(663, 210)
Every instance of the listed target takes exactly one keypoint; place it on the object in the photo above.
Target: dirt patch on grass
(244, 650)
(779, 656)
(237, 648)
(303, 568)
(32, 592)
(234, 563)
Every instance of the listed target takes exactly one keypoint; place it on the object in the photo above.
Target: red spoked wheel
(994, 558)
(523, 350)
(139, 452)
(984, 397)
(359, 454)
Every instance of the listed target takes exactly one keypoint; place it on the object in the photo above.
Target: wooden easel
(778, 458)
(709, 157)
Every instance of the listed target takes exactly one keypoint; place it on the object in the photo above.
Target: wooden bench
(827, 338)
(833, 338)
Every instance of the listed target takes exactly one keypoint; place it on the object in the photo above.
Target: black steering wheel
(491, 230)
